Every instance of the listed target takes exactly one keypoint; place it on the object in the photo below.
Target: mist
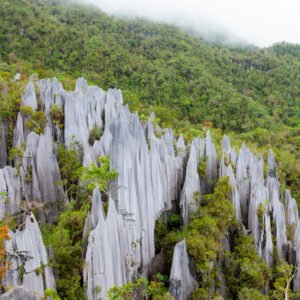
(258, 22)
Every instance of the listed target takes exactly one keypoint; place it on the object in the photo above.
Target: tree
(282, 284)
(141, 289)
(100, 176)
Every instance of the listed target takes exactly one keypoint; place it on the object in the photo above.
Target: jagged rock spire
(26, 249)
(182, 282)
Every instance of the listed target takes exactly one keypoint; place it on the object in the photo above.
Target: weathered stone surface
(83, 112)
(19, 132)
(42, 172)
(182, 282)
(243, 174)
(191, 188)
(155, 171)
(3, 147)
(19, 293)
(226, 170)
(212, 163)
(259, 222)
(278, 211)
(147, 184)
(10, 191)
(29, 97)
(27, 242)
(107, 254)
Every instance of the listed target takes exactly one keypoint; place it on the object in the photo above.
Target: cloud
(262, 22)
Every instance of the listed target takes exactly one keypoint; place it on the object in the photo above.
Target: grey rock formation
(83, 112)
(19, 293)
(147, 184)
(3, 147)
(243, 178)
(212, 163)
(19, 138)
(42, 175)
(29, 97)
(155, 171)
(10, 191)
(191, 189)
(182, 282)
(278, 211)
(26, 249)
(259, 221)
(226, 170)
(108, 253)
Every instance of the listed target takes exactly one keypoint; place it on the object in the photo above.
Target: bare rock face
(293, 234)
(156, 172)
(83, 112)
(182, 282)
(107, 253)
(29, 97)
(259, 222)
(52, 98)
(228, 159)
(28, 253)
(19, 132)
(19, 293)
(10, 191)
(243, 179)
(191, 188)
(147, 184)
(276, 205)
(212, 163)
(3, 146)
(41, 171)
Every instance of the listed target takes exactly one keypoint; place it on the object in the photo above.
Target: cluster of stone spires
(155, 171)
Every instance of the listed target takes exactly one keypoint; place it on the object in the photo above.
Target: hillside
(157, 63)
(160, 68)
(96, 192)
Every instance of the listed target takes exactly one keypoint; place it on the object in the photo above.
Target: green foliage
(282, 284)
(290, 231)
(35, 120)
(40, 270)
(57, 116)
(201, 294)
(100, 176)
(168, 243)
(51, 293)
(202, 167)
(251, 294)
(245, 269)
(140, 289)
(69, 166)
(26, 111)
(190, 84)
(173, 221)
(181, 75)
(16, 155)
(160, 232)
(95, 134)
(65, 238)
(260, 214)
(215, 219)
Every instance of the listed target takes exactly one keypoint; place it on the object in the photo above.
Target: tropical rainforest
(252, 94)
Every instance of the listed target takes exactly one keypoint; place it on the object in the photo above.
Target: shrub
(57, 116)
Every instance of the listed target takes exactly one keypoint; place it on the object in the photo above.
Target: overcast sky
(261, 22)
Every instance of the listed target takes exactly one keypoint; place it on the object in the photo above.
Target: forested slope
(160, 68)
(49, 137)
(158, 63)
